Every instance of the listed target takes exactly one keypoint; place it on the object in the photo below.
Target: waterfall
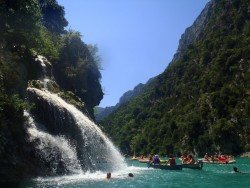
(44, 64)
(49, 147)
(66, 140)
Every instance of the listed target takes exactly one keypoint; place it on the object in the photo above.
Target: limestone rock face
(123, 99)
(194, 32)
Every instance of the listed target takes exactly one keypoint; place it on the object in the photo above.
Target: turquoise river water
(210, 176)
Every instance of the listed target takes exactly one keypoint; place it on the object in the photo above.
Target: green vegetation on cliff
(200, 103)
(78, 71)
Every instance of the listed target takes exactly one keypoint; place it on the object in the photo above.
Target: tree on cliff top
(78, 69)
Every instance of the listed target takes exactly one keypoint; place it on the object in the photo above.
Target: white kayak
(218, 162)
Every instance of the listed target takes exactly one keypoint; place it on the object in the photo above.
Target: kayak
(217, 162)
(197, 166)
(166, 167)
(134, 158)
(146, 160)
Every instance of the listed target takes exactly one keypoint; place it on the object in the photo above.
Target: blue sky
(136, 38)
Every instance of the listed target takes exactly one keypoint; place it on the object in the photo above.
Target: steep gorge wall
(199, 103)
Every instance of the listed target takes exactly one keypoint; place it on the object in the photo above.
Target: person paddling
(184, 159)
(156, 160)
(190, 159)
(171, 161)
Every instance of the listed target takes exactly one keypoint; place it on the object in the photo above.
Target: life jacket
(185, 160)
(222, 158)
(156, 160)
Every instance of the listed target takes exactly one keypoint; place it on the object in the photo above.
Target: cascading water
(68, 140)
(50, 147)
(44, 63)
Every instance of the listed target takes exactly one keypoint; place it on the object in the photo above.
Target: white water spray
(48, 146)
(98, 150)
(101, 151)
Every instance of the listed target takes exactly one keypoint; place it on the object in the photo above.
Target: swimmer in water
(130, 175)
(108, 175)
(236, 170)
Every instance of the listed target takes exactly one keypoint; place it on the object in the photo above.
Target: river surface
(210, 176)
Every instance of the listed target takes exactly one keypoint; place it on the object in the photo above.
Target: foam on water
(97, 176)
